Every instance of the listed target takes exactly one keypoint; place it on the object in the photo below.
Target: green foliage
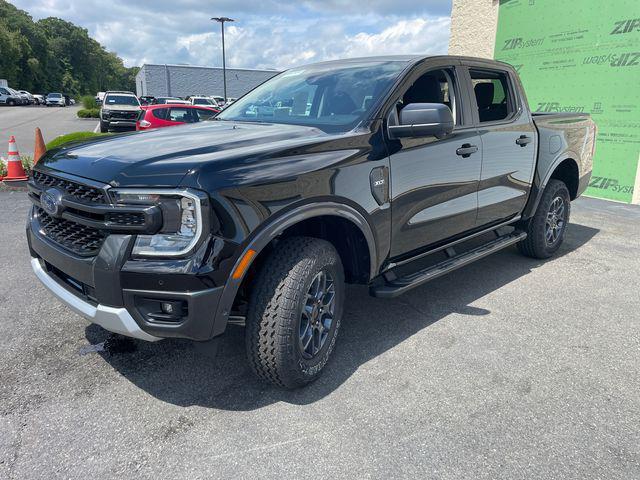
(72, 137)
(89, 113)
(54, 55)
(89, 102)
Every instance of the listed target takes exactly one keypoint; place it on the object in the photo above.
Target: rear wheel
(295, 311)
(547, 228)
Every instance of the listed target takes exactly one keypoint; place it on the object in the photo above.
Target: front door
(434, 182)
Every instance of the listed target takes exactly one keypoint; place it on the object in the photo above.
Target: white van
(7, 97)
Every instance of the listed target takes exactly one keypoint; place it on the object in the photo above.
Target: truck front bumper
(125, 296)
(120, 123)
(114, 319)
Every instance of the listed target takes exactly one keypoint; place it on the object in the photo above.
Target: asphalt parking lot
(510, 368)
(53, 122)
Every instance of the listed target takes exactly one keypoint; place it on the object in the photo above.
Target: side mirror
(422, 120)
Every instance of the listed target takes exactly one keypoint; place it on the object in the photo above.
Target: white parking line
(95, 130)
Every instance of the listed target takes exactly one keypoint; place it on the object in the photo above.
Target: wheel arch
(301, 220)
(563, 168)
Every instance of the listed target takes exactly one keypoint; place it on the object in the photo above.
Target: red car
(156, 116)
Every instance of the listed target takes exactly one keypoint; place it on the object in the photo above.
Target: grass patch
(72, 137)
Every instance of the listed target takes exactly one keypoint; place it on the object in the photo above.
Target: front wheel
(547, 228)
(104, 127)
(295, 311)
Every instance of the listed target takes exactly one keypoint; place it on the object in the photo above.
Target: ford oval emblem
(51, 202)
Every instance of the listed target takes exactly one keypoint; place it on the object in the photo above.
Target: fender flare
(275, 228)
(537, 189)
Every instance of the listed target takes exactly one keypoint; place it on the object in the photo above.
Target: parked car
(55, 99)
(404, 168)
(100, 97)
(39, 99)
(8, 97)
(147, 100)
(157, 116)
(165, 100)
(24, 100)
(206, 101)
(218, 99)
(30, 98)
(119, 110)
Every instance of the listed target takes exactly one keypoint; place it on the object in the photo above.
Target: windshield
(121, 100)
(54, 95)
(332, 98)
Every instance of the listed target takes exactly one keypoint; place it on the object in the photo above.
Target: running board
(397, 286)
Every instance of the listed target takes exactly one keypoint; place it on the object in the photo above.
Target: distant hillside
(54, 55)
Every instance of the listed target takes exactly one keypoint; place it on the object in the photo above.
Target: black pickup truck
(384, 171)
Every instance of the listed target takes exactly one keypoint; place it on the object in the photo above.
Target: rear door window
(160, 113)
(181, 115)
(494, 98)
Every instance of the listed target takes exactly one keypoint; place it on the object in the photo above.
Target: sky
(266, 34)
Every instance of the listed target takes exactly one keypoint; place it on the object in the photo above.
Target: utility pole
(221, 21)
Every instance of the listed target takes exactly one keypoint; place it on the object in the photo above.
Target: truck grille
(78, 238)
(76, 190)
(124, 218)
(126, 115)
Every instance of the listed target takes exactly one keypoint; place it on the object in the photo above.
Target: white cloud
(267, 34)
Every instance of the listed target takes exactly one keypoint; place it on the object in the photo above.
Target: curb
(20, 186)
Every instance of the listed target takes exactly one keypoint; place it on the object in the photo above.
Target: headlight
(181, 221)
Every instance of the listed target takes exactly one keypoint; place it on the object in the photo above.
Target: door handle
(466, 150)
(523, 141)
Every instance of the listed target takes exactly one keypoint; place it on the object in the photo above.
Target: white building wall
(473, 27)
(184, 80)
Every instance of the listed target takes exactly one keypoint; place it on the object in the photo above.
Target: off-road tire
(104, 127)
(273, 319)
(536, 244)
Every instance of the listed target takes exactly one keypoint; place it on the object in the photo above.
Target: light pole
(221, 21)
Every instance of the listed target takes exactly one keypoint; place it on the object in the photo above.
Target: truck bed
(565, 135)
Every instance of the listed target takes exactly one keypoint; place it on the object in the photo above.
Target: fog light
(168, 307)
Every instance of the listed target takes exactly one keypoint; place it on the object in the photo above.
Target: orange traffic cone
(15, 172)
(40, 149)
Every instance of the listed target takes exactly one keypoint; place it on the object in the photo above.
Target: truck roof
(409, 59)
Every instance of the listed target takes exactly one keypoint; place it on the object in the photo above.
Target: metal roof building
(182, 80)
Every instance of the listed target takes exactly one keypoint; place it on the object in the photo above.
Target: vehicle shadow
(180, 373)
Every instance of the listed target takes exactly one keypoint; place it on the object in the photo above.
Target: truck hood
(162, 157)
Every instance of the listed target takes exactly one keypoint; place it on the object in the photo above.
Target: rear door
(434, 181)
(509, 142)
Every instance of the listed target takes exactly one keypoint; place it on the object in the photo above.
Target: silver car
(55, 99)
(30, 97)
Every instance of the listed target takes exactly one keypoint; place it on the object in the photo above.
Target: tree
(55, 55)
